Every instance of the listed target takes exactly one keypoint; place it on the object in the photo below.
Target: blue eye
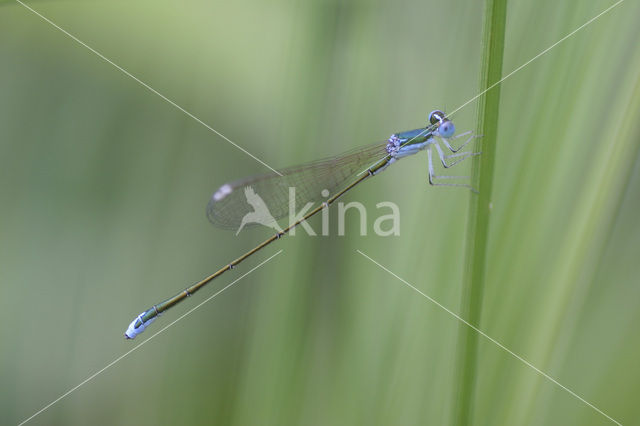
(446, 129)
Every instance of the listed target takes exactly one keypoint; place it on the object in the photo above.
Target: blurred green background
(103, 187)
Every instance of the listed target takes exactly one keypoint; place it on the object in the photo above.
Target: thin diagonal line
(537, 56)
(115, 361)
(500, 345)
(146, 86)
(509, 75)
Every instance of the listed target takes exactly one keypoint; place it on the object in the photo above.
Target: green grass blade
(479, 212)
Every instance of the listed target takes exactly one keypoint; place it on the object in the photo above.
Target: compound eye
(446, 129)
(436, 116)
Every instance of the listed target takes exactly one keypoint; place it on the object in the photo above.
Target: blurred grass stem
(479, 212)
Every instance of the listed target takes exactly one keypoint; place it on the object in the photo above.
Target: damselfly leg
(458, 156)
(446, 143)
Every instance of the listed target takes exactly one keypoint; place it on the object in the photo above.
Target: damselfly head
(444, 126)
(446, 129)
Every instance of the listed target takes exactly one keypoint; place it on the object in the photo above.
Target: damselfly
(264, 199)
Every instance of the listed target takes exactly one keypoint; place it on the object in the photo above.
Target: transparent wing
(264, 199)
